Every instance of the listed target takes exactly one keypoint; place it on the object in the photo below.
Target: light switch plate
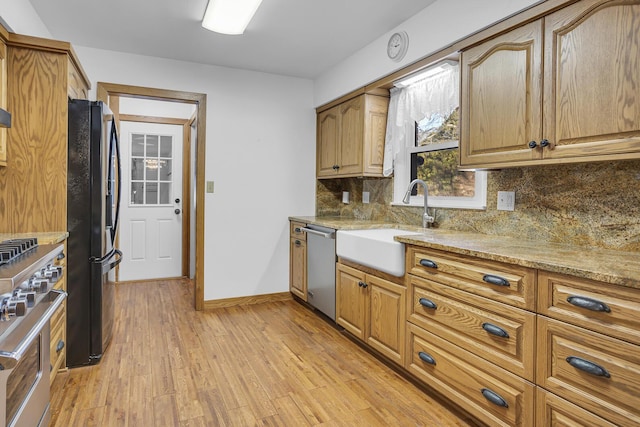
(506, 200)
(209, 186)
(365, 197)
(345, 197)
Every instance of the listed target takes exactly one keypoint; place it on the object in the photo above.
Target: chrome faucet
(426, 218)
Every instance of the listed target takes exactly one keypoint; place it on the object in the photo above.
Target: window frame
(402, 178)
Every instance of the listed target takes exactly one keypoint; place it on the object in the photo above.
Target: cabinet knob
(298, 243)
(533, 144)
(336, 167)
(545, 143)
(362, 284)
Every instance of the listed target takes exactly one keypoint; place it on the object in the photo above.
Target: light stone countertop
(609, 266)
(44, 238)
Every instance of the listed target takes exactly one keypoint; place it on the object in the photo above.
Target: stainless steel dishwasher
(321, 269)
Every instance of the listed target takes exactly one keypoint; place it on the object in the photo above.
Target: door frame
(186, 176)
(109, 93)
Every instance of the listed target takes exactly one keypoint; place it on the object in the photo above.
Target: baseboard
(255, 299)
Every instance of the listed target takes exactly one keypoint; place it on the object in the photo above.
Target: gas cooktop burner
(10, 249)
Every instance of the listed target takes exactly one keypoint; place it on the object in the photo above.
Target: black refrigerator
(93, 210)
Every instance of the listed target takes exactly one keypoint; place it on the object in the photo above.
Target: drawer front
(497, 332)
(609, 309)
(510, 284)
(596, 372)
(470, 381)
(296, 230)
(553, 411)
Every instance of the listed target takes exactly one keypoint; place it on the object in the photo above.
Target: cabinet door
(553, 411)
(327, 140)
(592, 80)
(351, 296)
(76, 88)
(3, 101)
(387, 308)
(351, 137)
(375, 129)
(501, 98)
(298, 268)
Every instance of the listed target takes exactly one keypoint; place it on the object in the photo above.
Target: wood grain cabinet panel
(298, 268)
(591, 370)
(3, 100)
(510, 284)
(490, 393)
(553, 411)
(497, 332)
(373, 310)
(601, 307)
(587, 106)
(501, 97)
(350, 138)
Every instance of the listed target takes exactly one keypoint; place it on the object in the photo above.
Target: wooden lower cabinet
(298, 268)
(553, 411)
(594, 371)
(488, 392)
(373, 310)
(58, 322)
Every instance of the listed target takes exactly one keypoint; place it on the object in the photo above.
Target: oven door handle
(9, 359)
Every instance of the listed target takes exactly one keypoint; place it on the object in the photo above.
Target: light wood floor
(274, 364)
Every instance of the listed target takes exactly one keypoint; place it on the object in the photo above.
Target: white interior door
(151, 213)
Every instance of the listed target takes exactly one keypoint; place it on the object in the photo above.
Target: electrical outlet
(365, 197)
(345, 197)
(506, 200)
(209, 186)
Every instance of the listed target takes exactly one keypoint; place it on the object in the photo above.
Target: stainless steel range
(27, 302)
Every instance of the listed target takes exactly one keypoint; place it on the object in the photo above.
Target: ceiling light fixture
(229, 16)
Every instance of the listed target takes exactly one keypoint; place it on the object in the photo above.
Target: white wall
(437, 26)
(22, 18)
(152, 107)
(260, 154)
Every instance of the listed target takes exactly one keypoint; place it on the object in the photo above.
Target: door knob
(177, 200)
(177, 211)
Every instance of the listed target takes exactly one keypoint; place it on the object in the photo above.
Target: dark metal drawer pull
(362, 284)
(60, 346)
(588, 367)
(426, 358)
(428, 263)
(297, 230)
(494, 398)
(298, 243)
(495, 330)
(427, 303)
(588, 303)
(495, 280)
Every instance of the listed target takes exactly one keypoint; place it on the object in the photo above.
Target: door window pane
(137, 144)
(152, 193)
(165, 193)
(151, 169)
(137, 169)
(152, 145)
(165, 170)
(166, 146)
(137, 193)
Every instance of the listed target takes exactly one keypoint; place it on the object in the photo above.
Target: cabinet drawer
(296, 230)
(602, 307)
(506, 283)
(470, 381)
(57, 343)
(497, 332)
(594, 371)
(553, 411)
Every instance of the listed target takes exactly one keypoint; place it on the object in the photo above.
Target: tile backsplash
(591, 204)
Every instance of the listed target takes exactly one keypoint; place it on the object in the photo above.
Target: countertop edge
(603, 265)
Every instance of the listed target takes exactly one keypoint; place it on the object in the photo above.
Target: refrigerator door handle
(114, 135)
(108, 266)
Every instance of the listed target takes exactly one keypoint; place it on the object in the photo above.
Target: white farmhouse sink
(373, 248)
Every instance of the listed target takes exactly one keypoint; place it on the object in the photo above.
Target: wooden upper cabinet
(3, 101)
(77, 84)
(501, 98)
(582, 105)
(592, 85)
(351, 138)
